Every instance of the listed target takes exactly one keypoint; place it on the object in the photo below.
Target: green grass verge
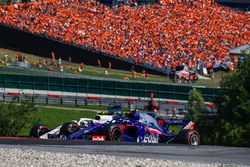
(54, 117)
(99, 71)
(88, 70)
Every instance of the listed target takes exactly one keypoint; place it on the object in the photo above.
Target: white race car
(44, 132)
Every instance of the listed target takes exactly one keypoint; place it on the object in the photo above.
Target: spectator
(109, 65)
(61, 70)
(75, 72)
(152, 104)
(143, 73)
(146, 75)
(59, 61)
(99, 63)
(81, 66)
(174, 113)
(52, 55)
(125, 78)
(156, 36)
(5, 57)
(134, 74)
(68, 67)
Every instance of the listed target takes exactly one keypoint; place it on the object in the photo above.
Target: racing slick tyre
(69, 128)
(189, 136)
(115, 133)
(38, 130)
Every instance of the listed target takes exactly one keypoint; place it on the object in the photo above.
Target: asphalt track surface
(202, 153)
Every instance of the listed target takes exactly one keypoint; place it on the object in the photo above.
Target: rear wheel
(69, 128)
(190, 137)
(194, 139)
(39, 130)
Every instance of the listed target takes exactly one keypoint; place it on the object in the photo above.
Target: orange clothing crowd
(158, 36)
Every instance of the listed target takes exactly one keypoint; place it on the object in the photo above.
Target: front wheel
(39, 130)
(190, 137)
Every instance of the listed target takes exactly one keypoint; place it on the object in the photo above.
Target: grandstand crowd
(194, 33)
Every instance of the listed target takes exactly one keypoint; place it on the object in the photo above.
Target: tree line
(231, 126)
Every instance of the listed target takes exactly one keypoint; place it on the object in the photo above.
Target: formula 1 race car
(134, 127)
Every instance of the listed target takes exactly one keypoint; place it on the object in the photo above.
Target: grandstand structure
(157, 36)
(127, 2)
(241, 4)
(234, 1)
(241, 49)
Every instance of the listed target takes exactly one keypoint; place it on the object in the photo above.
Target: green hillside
(93, 71)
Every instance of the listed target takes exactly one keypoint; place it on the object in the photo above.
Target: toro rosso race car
(134, 127)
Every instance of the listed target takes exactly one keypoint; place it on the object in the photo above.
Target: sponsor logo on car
(150, 138)
(98, 138)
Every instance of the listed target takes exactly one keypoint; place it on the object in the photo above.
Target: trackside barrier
(9, 97)
(43, 99)
(72, 99)
(93, 100)
(54, 100)
(13, 93)
(172, 102)
(132, 103)
(1, 96)
(69, 100)
(94, 89)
